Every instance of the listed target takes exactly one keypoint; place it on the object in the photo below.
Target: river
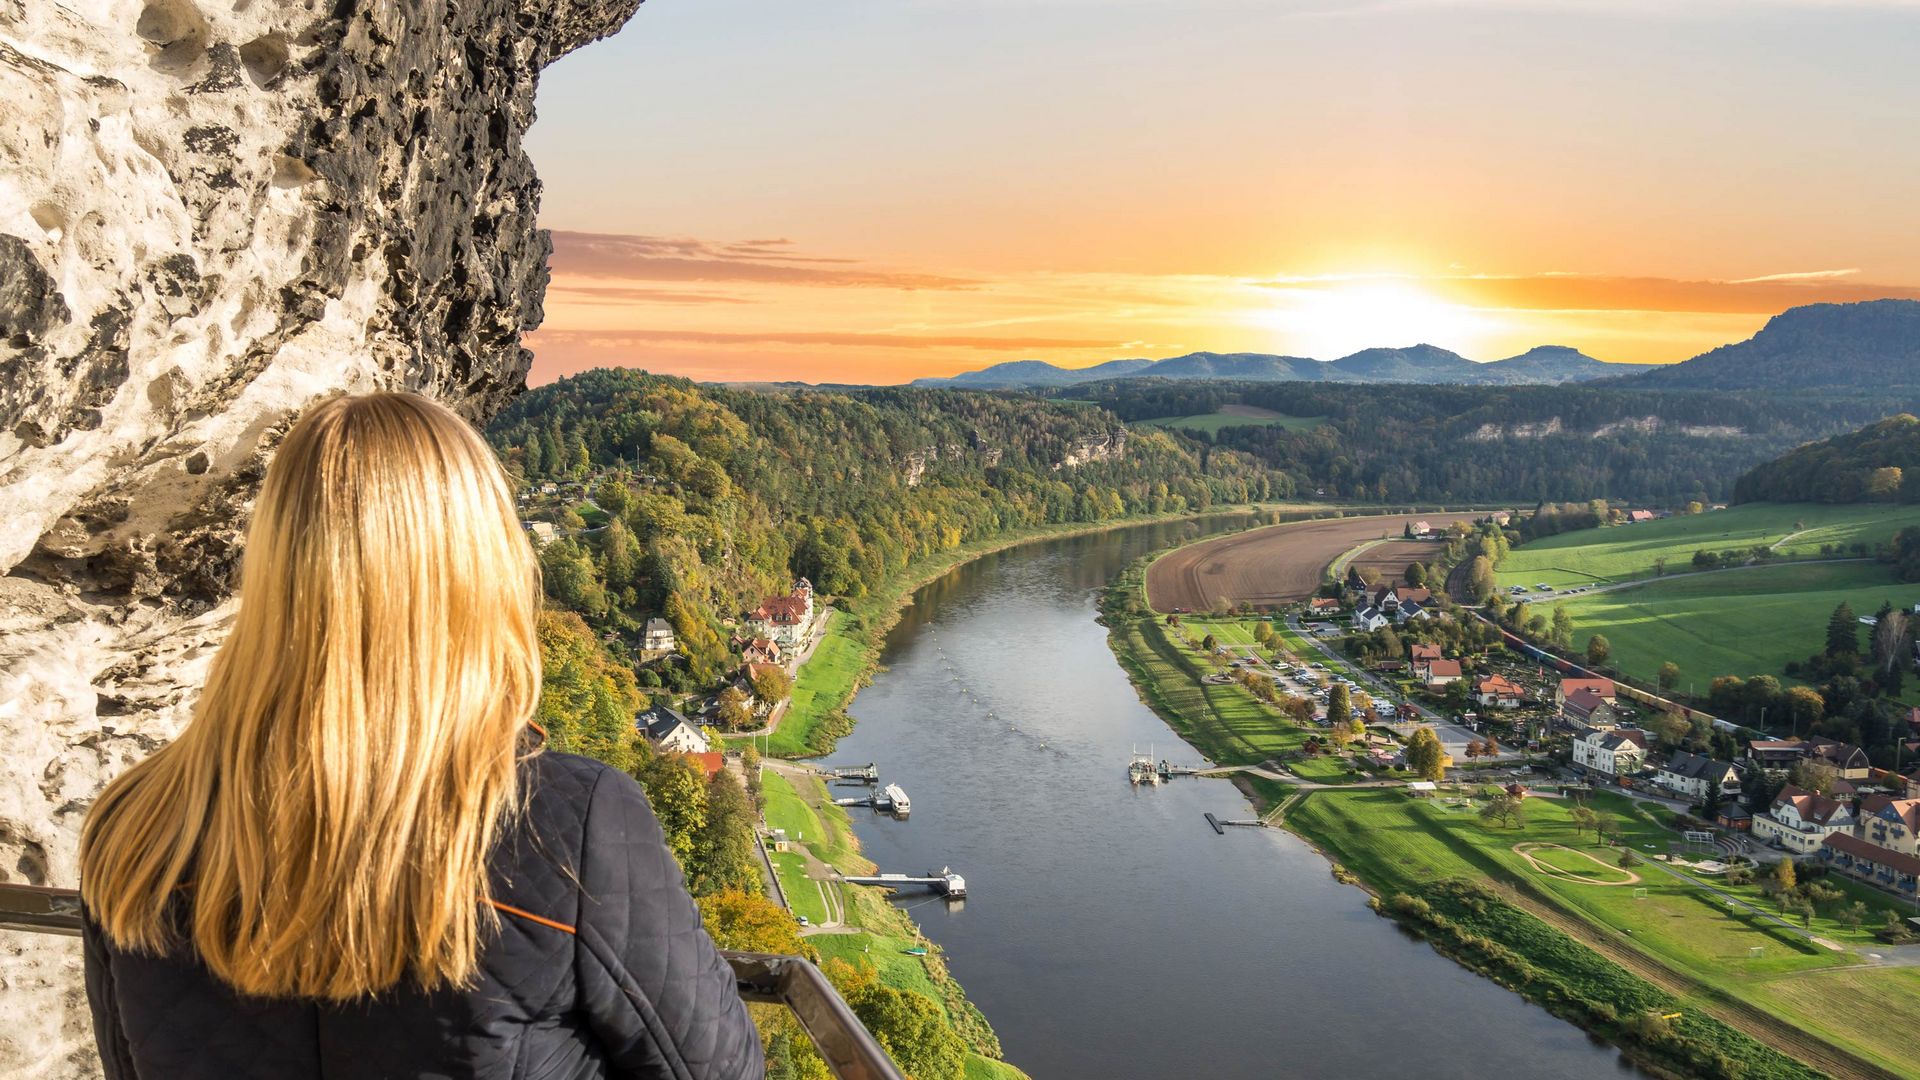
(1108, 931)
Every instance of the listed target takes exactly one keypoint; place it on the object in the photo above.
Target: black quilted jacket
(601, 970)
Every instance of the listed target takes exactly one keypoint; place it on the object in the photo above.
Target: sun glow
(1331, 320)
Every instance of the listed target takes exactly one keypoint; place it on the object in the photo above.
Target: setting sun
(1332, 319)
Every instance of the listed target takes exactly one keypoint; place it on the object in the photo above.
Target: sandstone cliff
(210, 213)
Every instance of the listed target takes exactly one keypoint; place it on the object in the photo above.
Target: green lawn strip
(802, 892)
(1622, 552)
(1399, 845)
(1871, 1011)
(1741, 622)
(784, 809)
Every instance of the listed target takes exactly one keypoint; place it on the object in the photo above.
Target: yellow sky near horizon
(744, 190)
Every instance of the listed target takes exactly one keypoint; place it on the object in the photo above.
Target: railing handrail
(848, 1048)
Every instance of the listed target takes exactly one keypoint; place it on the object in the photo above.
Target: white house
(784, 619)
(1610, 753)
(658, 636)
(666, 729)
(1801, 821)
(1692, 776)
(543, 532)
(1369, 618)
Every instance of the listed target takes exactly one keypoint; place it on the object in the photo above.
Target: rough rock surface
(212, 211)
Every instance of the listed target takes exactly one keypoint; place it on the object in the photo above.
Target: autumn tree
(1426, 757)
(733, 712)
(724, 856)
(678, 796)
(1669, 677)
(770, 683)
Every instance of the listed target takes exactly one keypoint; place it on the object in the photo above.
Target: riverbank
(1663, 972)
(856, 923)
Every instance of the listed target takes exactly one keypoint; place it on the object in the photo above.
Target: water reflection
(1108, 931)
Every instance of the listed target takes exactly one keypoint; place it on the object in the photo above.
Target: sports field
(1237, 416)
(1736, 622)
(1625, 552)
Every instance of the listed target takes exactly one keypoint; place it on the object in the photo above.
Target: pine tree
(1843, 632)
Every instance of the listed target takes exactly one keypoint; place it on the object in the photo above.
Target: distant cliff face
(210, 213)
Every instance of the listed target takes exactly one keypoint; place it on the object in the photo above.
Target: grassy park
(1747, 621)
(1719, 952)
(1628, 552)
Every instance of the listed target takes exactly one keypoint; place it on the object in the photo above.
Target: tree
(1785, 877)
(1416, 574)
(1810, 776)
(1562, 627)
(770, 682)
(724, 852)
(913, 1030)
(678, 796)
(749, 922)
(1583, 819)
(587, 702)
(1598, 650)
(1480, 578)
(1504, 809)
(1843, 632)
(1209, 644)
(1426, 757)
(1339, 709)
(1892, 648)
(733, 712)
(1473, 750)
(1262, 632)
(1804, 706)
(1669, 677)
(1628, 860)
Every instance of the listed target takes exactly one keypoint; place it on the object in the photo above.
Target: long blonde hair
(325, 819)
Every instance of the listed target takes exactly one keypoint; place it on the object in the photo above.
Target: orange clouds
(765, 310)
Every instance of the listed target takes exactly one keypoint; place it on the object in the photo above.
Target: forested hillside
(1878, 463)
(702, 500)
(1868, 348)
(1457, 444)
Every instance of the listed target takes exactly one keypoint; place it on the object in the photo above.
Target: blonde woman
(356, 861)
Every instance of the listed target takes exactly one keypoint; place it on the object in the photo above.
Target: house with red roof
(1496, 691)
(1801, 821)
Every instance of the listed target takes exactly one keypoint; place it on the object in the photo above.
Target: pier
(854, 774)
(892, 800)
(946, 882)
(1220, 826)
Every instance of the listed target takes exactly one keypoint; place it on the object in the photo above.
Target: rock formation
(211, 213)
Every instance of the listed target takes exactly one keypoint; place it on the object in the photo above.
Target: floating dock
(945, 882)
(854, 774)
(890, 800)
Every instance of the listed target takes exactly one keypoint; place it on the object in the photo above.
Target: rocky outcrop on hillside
(211, 213)
(1105, 446)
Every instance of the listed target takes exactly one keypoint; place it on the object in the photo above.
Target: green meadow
(1749, 621)
(1627, 552)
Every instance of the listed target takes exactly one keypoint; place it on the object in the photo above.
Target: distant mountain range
(1414, 364)
(1870, 346)
(1873, 345)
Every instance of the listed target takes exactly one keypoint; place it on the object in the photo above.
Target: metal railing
(846, 1045)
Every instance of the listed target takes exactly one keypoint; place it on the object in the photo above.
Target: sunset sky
(877, 190)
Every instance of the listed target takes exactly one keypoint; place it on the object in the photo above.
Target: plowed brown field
(1390, 559)
(1269, 567)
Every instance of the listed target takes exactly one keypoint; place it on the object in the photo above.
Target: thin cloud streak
(652, 258)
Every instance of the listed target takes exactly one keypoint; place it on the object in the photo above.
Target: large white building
(1610, 753)
(1801, 821)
